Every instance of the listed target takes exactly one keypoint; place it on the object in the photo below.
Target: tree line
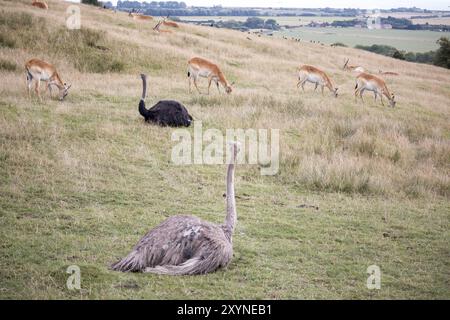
(440, 57)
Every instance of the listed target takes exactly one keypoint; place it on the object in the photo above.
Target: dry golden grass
(81, 180)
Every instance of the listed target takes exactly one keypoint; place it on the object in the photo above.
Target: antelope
(369, 82)
(40, 4)
(157, 28)
(318, 77)
(139, 16)
(39, 70)
(388, 73)
(170, 23)
(357, 69)
(199, 67)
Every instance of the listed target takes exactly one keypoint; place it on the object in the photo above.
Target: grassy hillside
(82, 180)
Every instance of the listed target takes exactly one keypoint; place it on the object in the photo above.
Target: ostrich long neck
(231, 218)
(144, 87)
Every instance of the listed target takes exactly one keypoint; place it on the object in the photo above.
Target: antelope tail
(131, 263)
(192, 266)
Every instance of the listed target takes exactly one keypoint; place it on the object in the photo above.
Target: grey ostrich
(186, 245)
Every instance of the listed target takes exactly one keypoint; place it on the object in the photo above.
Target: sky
(366, 4)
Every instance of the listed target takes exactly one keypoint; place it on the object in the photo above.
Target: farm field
(82, 180)
(444, 21)
(289, 21)
(415, 41)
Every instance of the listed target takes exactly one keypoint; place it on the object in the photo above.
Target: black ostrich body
(165, 112)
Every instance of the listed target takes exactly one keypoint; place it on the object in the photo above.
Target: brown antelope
(388, 73)
(172, 24)
(40, 4)
(39, 70)
(369, 82)
(357, 69)
(316, 76)
(199, 67)
(158, 29)
(139, 16)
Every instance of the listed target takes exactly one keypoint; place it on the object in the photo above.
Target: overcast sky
(366, 4)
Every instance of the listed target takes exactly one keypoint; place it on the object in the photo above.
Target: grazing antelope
(139, 16)
(157, 28)
(39, 70)
(369, 82)
(318, 77)
(388, 73)
(40, 4)
(357, 69)
(199, 67)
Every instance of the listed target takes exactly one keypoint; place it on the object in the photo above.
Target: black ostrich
(164, 113)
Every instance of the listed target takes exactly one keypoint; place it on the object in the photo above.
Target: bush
(7, 66)
(339, 44)
(380, 49)
(442, 57)
(398, 55)
(92, 2)
(426, 57)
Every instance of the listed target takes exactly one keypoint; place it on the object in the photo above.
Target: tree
(271, 24)
(398, 55)
(254, 23)
(92, 2)
(442, 57)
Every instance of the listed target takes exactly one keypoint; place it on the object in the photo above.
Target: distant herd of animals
(187, 245)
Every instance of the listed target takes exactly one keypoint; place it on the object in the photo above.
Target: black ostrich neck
(144, 86)
(142, 110)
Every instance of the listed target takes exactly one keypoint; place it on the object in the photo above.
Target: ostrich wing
(178, 240)
(170, 113)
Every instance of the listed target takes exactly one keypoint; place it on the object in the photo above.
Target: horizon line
(277, 7)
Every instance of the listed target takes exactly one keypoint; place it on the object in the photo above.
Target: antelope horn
(346, 63)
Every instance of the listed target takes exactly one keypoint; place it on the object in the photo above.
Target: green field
(285, 21)
(415, 41)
